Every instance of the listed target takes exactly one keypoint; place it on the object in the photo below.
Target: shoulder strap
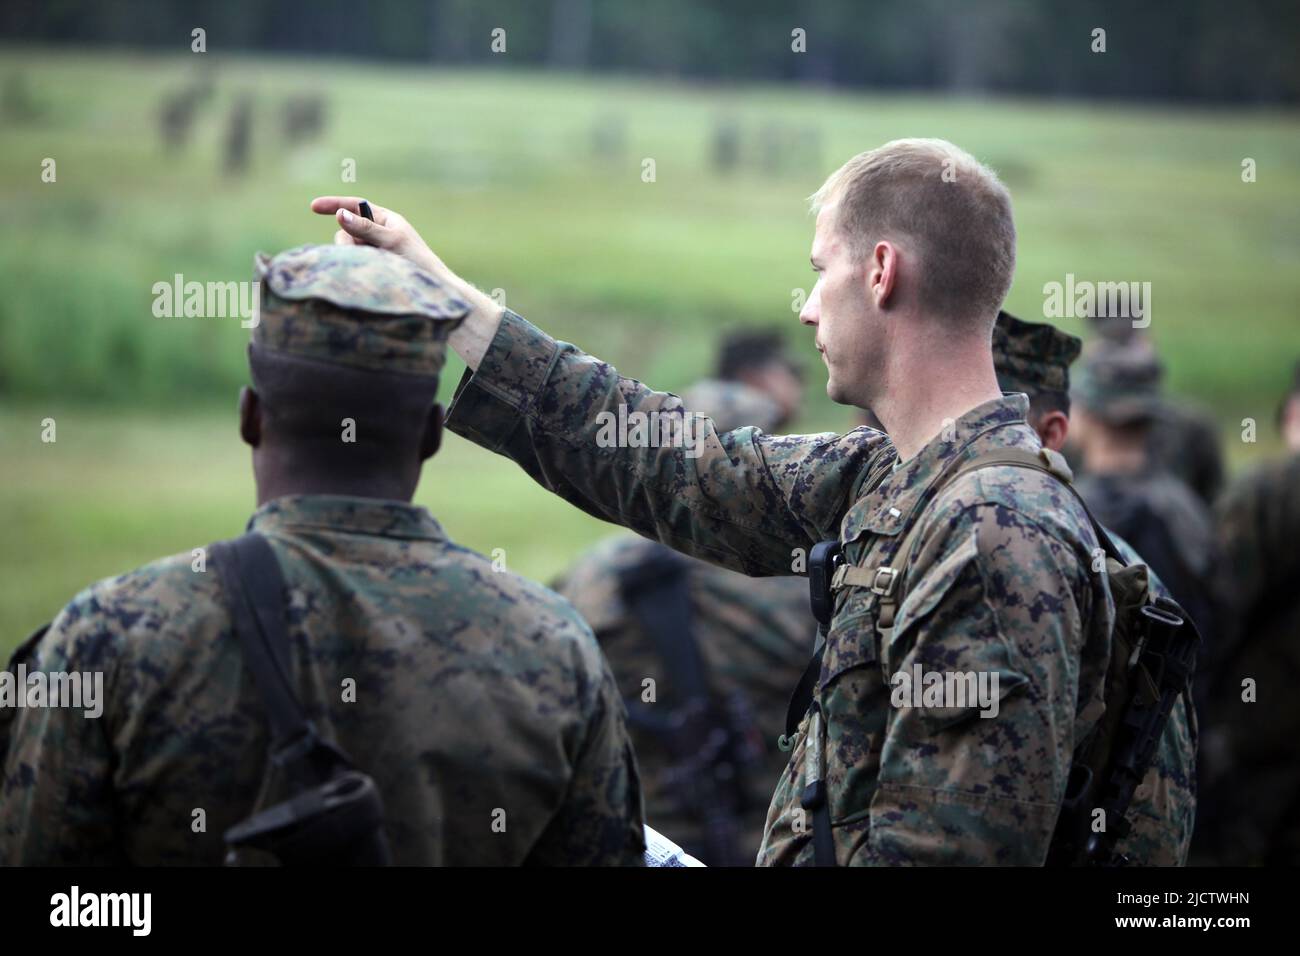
(657, 592)
(255, 594)
(1054, 464)
(887, 581)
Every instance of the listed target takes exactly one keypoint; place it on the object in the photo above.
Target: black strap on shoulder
(335, 815)
(656, 591)
(707, 738)
(822, 563)
(255, 593)
(802, 696)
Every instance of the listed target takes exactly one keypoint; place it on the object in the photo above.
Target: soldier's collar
(373, 516)
(887, 508)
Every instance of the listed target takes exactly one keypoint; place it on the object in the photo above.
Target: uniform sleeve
(627, 454)
(56, 797)
(602, 820)
(980, 780)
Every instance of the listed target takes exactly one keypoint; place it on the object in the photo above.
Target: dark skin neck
(284, 467)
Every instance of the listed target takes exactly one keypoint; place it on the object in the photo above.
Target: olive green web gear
(1152, 657)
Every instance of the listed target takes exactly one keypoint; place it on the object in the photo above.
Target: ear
(432, 439)
(1053, 429)
(250, 417)
(882, 272)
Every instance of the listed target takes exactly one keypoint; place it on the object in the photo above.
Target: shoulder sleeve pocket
(947, 658)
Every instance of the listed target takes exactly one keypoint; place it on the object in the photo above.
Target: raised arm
(624, 452)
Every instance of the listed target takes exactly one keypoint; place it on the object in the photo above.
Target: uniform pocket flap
(966, 667)
(852, 641)
(924, 592)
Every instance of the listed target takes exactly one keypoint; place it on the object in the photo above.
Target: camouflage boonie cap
(357, 306)
(1032, 357)
(732, 405)
(1119, 383)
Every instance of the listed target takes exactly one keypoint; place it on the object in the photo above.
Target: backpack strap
(255, 595)
(1054, 464)
(336, 814)
(887, 581)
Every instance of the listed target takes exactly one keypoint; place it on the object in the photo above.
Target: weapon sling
(335, 815)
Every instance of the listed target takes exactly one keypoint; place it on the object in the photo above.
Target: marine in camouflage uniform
(1185, 440)
(1115, 410)
(754, 637)
(1186, 443)
(1253, 770)
(1000, 583)
(1035, 358)
(483, 708)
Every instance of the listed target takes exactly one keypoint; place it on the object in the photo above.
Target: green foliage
(501, 173)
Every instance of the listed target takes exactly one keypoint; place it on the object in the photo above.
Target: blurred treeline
(1243, 51)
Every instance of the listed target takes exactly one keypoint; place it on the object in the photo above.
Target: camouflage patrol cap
(356, 306)
(732, 405)
(1119, 383)
(1032, 357)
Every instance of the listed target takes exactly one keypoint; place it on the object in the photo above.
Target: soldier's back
(1173, 531)
(478, 702)
(1251, 729)
(1184, 440)
(754, 636)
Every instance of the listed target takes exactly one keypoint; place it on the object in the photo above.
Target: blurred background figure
(1252, 736)
(181, 107)
(705, 658)
(756, 383)
(16, 103)
(1115, 408)
(1035, 358)
(1183, 438)
(1114, 411)
(239, 134)
(303, 118)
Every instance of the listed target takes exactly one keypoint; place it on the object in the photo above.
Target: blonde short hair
(952, 207)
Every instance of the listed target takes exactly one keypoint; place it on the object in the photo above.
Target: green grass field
(499, 172)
